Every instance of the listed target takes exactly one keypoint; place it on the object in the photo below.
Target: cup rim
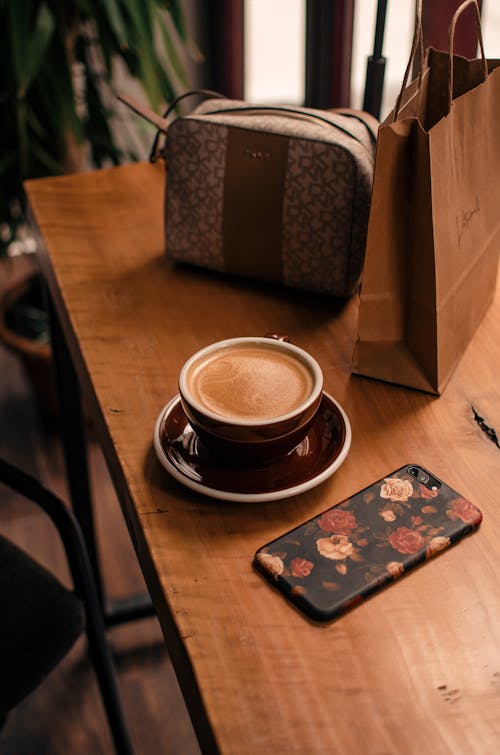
(266, 340)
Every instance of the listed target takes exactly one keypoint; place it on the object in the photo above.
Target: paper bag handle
(417, 45)
(451, 40)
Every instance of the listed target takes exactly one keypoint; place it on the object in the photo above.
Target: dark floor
(64, 715)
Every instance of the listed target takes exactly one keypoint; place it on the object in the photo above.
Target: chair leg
(85, 587)
(103, 665)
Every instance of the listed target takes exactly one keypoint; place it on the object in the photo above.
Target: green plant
(58, 59)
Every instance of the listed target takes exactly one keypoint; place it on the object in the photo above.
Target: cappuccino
(250, 382)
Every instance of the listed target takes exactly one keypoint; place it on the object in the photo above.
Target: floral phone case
(340, 557)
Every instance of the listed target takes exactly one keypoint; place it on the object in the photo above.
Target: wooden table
(415, 669)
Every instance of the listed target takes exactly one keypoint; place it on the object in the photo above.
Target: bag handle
(207, 93)
(417, 45)
(372, 124)
(451, 40)
(161, 121)
(294, 113)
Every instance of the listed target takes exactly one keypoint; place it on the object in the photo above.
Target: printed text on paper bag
(465, 218)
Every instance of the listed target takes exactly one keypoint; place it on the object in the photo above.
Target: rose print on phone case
(369, 540)
(396, 489)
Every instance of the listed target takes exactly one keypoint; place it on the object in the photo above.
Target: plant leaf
(45, 158)
(6, 161)
(29, 46)
(18, 34)
(116, 22)
(175, 10)
(172, 45)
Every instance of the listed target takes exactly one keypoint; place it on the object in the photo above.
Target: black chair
(41, 619)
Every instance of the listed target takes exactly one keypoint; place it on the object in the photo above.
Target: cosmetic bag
(277, 193)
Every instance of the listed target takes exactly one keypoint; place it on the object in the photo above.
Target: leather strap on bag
(162, 121)
(369, 121)
(206, 93)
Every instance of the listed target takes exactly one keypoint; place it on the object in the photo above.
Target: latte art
(250, 382)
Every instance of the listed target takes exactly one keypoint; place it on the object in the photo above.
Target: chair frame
(85, 588)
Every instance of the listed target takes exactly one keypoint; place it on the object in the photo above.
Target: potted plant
(60, 60)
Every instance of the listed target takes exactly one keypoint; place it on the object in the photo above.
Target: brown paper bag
(434, 228)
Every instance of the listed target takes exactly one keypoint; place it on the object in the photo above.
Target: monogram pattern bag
(279, 193)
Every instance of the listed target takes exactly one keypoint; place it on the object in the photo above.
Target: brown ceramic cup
(251, 399)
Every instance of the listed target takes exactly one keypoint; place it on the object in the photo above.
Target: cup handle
(277, 337)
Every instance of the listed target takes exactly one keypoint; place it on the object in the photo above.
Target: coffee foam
(250, 382)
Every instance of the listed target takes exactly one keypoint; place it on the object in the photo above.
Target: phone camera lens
(426, 479)
(420, 475)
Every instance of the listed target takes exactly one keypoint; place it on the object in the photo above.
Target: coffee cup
(251, 399)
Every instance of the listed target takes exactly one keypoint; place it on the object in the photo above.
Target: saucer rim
(274, 495)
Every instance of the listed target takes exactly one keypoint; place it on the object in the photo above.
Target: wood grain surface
(414, 669)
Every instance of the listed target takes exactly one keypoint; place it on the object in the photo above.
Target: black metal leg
(75, 454)
(101, 656)
(132, 608)
(74, 441)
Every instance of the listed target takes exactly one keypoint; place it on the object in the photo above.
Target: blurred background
(275, 51)
(62, 64)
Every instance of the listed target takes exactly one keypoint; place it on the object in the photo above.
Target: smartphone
(338, 558)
